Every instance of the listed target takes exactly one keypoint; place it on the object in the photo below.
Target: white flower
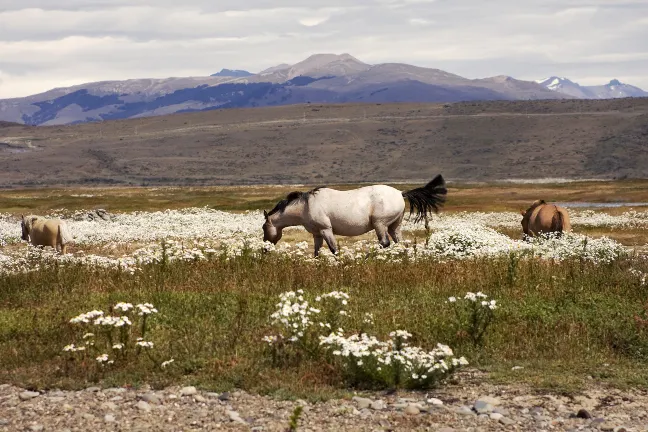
(88, 335)
(118, 346)
(145, 344)
(166, 363)
(452, 299)
(124, 307)
(102, 358)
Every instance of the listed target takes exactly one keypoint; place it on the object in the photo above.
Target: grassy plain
(566, 323)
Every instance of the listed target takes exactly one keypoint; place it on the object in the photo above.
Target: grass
(562, 322)
(461, 197)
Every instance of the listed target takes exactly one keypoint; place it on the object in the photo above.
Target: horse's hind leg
(381, 232)
(395, 230)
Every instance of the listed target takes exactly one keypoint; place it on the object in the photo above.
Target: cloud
(45, 44)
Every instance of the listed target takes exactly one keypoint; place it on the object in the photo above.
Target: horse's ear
(265, 214)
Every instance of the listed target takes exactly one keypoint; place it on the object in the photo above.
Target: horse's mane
(292, 198)
(535, 204)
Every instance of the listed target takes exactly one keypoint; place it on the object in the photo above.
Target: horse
(544, 218)
(326, 212)
(40, 231)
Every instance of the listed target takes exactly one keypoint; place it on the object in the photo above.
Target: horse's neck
(291, 216)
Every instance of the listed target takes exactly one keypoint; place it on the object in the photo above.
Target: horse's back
(542, 218)
(354, 211)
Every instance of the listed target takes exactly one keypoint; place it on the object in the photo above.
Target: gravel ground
(473, 407)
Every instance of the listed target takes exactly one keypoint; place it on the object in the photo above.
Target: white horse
(40, 231)
(326, 212)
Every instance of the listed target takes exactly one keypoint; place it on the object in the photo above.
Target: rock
(584, 414)
(235, 417)
(150, 398)
(507, 421)
(496, 416)
(362, 402)
(536, 411)
(4, 422)
(412, 410)
(400, 406)
(36, 428)
(93, 389)
(88, 416)
(500, 410)
(446, 429)
(212, 395)
(435, 401)
(117, 398)
(483, 407)
(464, 410)
(109, 418)
(56, 399)
(606, 427)
(378, 405)
(27, 395)
(199, 398)
(111, 406)
(225, 396)
(489, 399)
(188, 391)
(515, 368)
(620, 429)
(143, 406)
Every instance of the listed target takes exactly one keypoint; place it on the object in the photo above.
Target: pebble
(496, 416)
(212, 395)
(362, 402)
(199, 398)
(483, 407)
(507, 421)
(93, 389)
(27, 395)
(225, 396)
(378, 405)
(412, 410)
(584, 414)
(235, 417)
(435, 401)
(143, 406)
(150, 398)
(88, 416)
(188, 391)
(111, 406)
(36, 427)
(109, 418)
(464, 410)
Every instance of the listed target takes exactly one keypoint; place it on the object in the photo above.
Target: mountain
(321, 78)
(613, 90)
(237, 73)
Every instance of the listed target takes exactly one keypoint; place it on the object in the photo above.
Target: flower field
(194, 296)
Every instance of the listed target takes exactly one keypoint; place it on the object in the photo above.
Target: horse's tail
(64, 235)
(426, 199)
(557, 222)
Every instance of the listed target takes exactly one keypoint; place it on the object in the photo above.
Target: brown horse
(40, 231)
(544, 218)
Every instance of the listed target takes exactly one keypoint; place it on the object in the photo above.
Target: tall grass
(562, 321)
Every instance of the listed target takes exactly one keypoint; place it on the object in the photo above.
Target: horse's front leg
(319, 241)
(329, 237)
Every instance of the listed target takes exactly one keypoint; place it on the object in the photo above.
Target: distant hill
(237, 73)
(321, 78)
(612, 90)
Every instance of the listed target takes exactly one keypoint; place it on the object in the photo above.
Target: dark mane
(292, 198)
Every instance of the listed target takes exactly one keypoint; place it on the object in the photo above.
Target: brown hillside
(326, 144)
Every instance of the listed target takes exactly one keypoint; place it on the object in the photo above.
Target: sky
(46, 44)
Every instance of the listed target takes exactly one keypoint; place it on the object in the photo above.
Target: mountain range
(321, 78)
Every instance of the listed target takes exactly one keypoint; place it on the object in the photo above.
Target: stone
(188, 391)
(88, 416)
(446, 429)
(4, 422)
(435, 401)
(507, 421)
(225, 396)
(483, 407)
(378, 405)
(109, 418)
(489, 399)
(56, 399)
(496, 416)
(412, 410)
(235, 417)
(620, 429)
(606, 427)
(151, 398)
(36, 428)
(500, 410)
(584, 414)
(362, 402)
(27, 395)
(143, 406)
(515, 368)
(400, 405)
(199, 398)
(464, 410)
(212, 395)
(117, 398)
(111, 406)
(93, 389)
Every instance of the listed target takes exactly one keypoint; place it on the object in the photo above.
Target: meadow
(183, 290)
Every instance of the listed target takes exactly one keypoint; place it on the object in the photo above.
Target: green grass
(562, 322)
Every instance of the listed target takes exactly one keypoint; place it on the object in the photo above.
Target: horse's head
(270, 232)
(25, 224)
(525, 221)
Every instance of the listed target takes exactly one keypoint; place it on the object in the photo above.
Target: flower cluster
(473, 314)
(643, 277)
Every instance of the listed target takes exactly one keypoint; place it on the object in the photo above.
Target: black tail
(426, 199)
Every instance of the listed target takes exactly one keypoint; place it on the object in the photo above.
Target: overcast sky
(47, 43)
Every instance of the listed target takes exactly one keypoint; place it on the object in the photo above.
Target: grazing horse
(544, 218)
(326, 212)
(40, 231)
